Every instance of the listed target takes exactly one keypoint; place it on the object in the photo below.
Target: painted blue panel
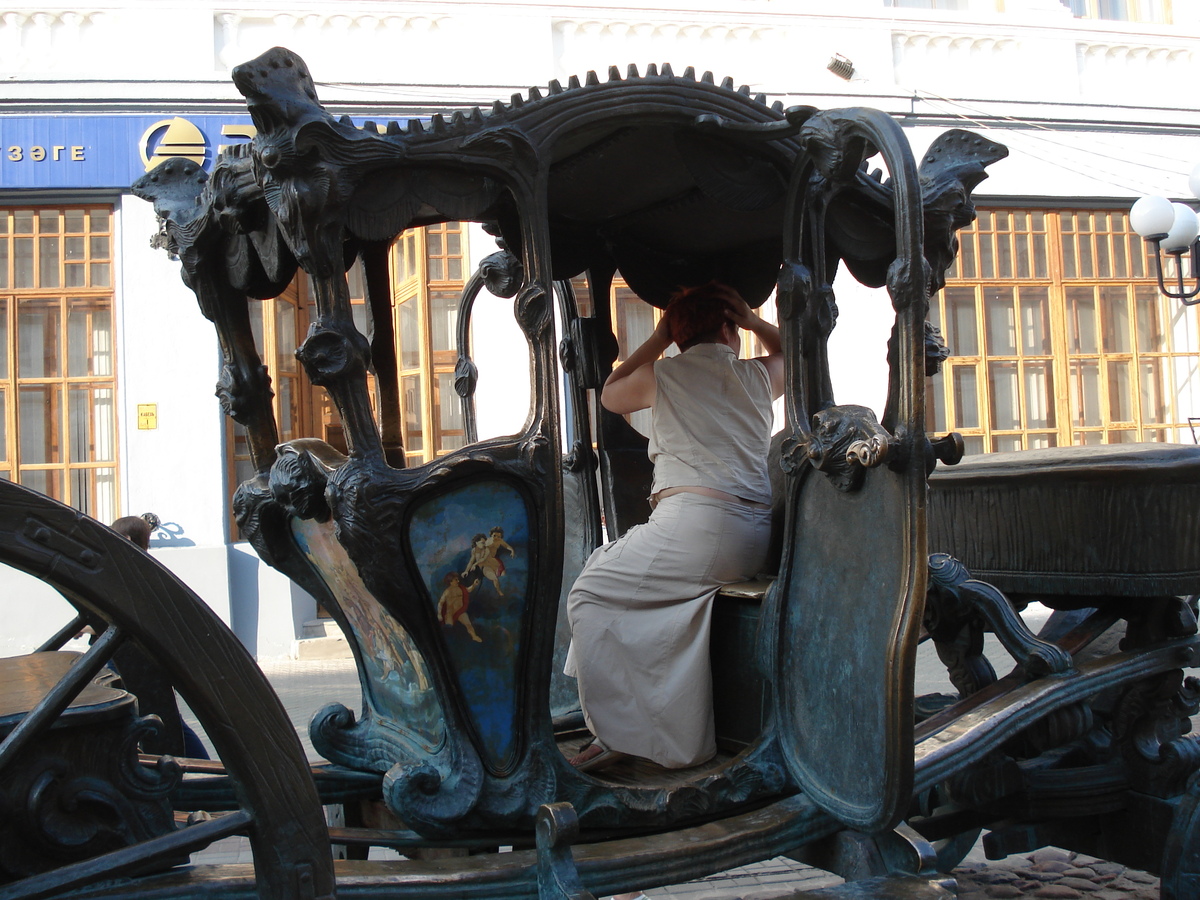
(472, 545)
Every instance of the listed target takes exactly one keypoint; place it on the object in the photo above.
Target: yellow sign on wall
(147, 416)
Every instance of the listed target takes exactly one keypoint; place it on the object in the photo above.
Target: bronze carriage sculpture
(667, 180)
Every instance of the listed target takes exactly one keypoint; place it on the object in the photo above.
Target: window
(58, 429)
(927, 4)
(279, 326)
(428, 276)
(1059, 336)
(1157, 11)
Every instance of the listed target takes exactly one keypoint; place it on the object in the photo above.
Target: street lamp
(1172, 227)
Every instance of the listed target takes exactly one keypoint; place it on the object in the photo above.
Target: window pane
(23, 263)
(1151, 321)
(410, 337)
(91, 424)
(962, 334)
(1041, 441)
(437, 269)
(433, 243)
(411, 389)
(1035, 322)
(99, 246)
(450, 417)
(89, 340)
(48, 258)
(935, 404)
(1152, 386)
(38, 338)
(3, 426)
(453, 242)
(354, 281)
(1085, 393)
(1120, 391)
(1087, 266)
(93, 491)
(1022, 245)
(289, 412)
(966, 255)
(1004, 256)
(1103, 263)
(1041, 268)
(443, 320)
(1067, 223)
(454, 269)
(48, 481)
(1081, 320)
(1004, 388)
(966, 397)
(987, 263)
(973, 444)
(4, 339)
(1004, 443)
(361, 313)
(285, 336)
(73, 219)
(101, 274)
(1039, 394)
(39, 424)
(1001, 324)
(3, 260)
(1114, 320)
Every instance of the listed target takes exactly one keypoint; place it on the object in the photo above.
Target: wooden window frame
(93, 292)
(1104, 257)
(414, 260)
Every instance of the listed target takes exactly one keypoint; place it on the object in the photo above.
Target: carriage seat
(1099, 521)
(93, 796)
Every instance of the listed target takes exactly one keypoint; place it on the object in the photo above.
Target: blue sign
(107, 151)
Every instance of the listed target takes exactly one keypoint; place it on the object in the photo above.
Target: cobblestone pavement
(1048, 874)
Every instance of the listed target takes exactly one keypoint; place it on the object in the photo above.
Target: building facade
(107, 368)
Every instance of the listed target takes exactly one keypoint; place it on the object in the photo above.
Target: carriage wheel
(135, 598)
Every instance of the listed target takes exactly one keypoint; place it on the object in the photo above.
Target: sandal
(594, 756)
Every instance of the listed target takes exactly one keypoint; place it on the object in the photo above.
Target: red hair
(698, 314)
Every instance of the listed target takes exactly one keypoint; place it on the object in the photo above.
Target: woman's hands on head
(738, 310)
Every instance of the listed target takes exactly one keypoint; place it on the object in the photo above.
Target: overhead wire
(1040, 127)
(1117, 179)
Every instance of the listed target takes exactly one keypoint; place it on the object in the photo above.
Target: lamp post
(1174, 228)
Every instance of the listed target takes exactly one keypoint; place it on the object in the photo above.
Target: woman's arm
(741, 314)
(631, 385)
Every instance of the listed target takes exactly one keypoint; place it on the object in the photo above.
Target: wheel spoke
(136, 859)
(60, 696)
(64, 634)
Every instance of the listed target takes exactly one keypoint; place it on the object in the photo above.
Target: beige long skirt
(640, 615)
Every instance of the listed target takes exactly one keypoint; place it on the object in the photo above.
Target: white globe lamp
(1183, 230)
(1152, 216)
